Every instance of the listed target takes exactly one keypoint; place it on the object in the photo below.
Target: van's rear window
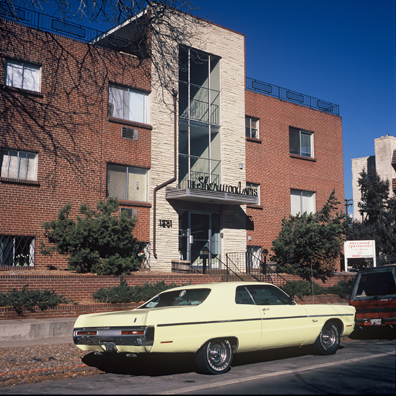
(376, 284)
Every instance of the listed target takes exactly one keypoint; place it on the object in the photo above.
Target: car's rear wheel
(215, 357)
(328, 340)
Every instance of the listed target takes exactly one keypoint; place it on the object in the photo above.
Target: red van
(374, 296)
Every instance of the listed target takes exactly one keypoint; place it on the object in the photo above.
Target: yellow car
(214, 321)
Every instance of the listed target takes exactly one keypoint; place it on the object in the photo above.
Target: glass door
(200, 232)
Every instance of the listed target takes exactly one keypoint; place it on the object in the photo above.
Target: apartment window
(128, 104)
(22, 75)
(16, 251)
(252, 127)
(302, 201)
(127, 183)
(17, 164)
(253, 189)
(301, 142)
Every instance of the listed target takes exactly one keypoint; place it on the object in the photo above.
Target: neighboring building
(383, 162)
(220, 176)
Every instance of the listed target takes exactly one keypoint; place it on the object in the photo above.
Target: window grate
(16, 251)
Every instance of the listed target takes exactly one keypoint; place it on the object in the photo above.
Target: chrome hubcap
(217, 355)
(328, 337)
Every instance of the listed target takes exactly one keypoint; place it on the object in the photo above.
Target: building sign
(203, 184)
(359, 249)
(165, 223)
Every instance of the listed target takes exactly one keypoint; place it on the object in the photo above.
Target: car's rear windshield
(376, 284)
(178, 298)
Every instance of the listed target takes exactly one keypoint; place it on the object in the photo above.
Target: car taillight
(87, 332)
(132, 332)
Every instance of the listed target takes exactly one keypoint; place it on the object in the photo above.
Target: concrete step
(35, 329)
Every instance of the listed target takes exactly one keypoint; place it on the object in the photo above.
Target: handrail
(210, 271)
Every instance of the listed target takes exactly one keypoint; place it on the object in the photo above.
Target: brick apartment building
(84, 121)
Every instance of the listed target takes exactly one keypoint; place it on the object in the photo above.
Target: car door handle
(265, 309)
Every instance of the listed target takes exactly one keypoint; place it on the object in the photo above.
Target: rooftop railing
(49, 23)
(291, 96)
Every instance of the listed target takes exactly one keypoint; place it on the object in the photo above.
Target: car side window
(242, 296)
(268, 295)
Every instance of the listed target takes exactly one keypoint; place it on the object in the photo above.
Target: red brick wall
(81, 287)
(67, 125)
(269, 163)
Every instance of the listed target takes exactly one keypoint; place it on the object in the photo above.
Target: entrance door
(197, 232)
(200, 232)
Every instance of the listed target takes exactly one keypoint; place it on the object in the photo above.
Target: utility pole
(348, 202)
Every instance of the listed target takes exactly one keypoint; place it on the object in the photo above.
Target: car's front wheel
(328, 340)
(215, 357)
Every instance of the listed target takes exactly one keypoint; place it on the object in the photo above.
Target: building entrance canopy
(208, 196)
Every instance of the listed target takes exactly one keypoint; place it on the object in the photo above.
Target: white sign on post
(359, 249)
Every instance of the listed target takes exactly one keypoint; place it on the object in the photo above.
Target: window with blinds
(22, 75)
(18, 164)
(127, 183)
(302, 201)
(128, 104)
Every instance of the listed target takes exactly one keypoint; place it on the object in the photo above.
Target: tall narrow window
(301, 142)
(128, 104)
(22, 75)
(199, 117)
(302, 201)
(17, 164)
(127, 183)
(251, 127)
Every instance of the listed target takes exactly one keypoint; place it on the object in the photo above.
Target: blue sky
(341, 51)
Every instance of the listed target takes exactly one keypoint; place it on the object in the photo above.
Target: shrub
(29, 299)
(309, 244)
(99, 241)
(126, 294)
(302, 288)
(343, 289)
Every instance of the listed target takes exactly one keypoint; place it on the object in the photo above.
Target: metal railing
(240, 266)
(199, 111)
(291, 96)
(248, 264)
(214, 266)
(50, 24)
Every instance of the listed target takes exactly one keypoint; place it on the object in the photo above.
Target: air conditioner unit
(129, 133)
